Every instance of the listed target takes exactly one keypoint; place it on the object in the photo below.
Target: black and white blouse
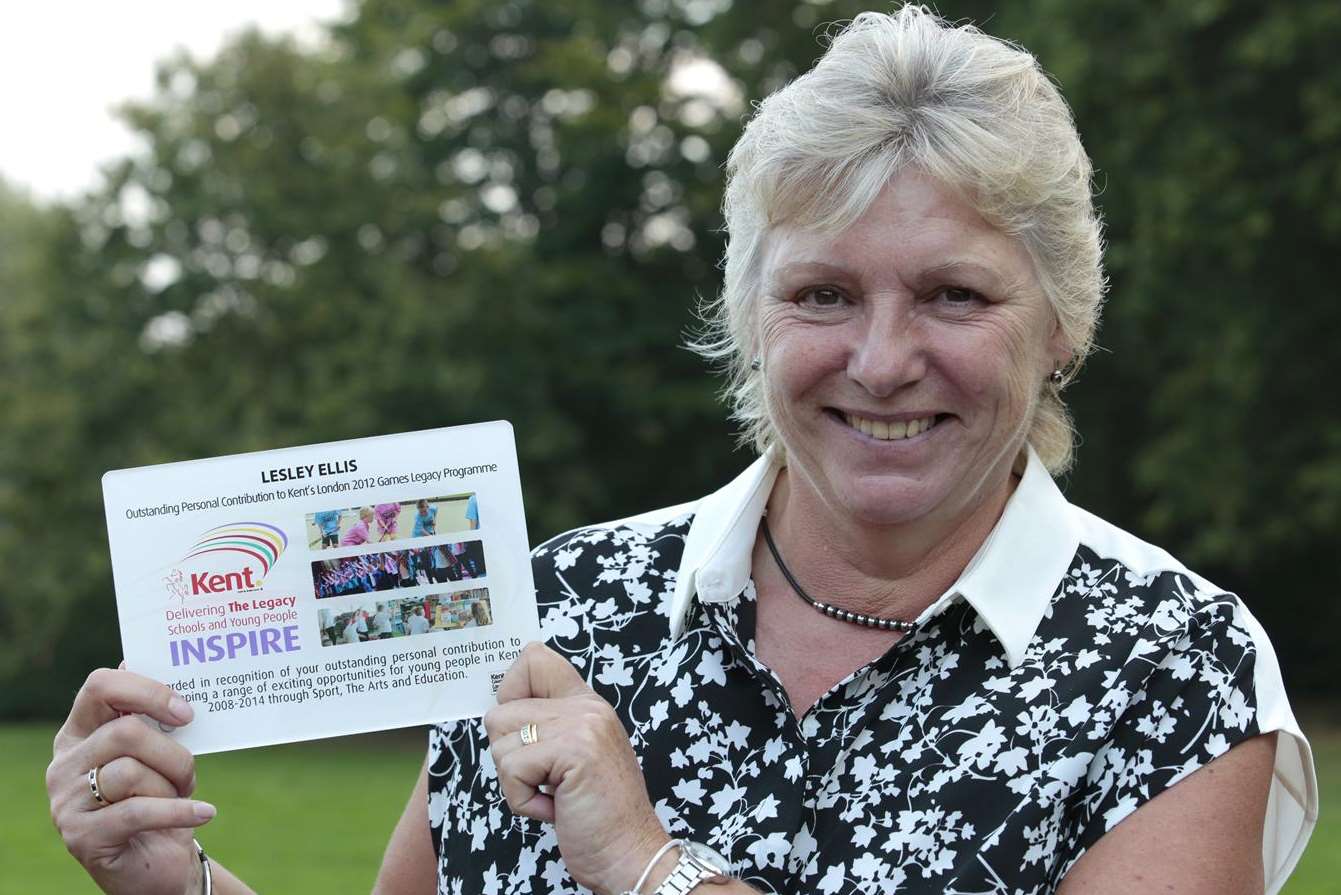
(1069, 676)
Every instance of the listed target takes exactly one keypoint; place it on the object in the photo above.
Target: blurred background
(351, 219)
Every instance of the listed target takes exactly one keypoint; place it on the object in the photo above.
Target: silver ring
(529, 734)
(95, 788)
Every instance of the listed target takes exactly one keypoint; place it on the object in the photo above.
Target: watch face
(709, 858)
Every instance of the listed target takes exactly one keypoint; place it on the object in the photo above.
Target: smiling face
(903, 357)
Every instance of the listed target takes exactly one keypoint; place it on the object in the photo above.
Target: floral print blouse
(1069, 676)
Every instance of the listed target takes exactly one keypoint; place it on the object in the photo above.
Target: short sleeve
(1210, 682)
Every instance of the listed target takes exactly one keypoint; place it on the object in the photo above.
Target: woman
(476, 617)
(889, 656)
(479, 613)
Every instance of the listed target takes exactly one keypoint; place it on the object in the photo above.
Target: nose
(888, 351)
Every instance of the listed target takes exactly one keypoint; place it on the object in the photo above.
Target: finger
(120, 779)
(540, 672)
(131, 737)
(109, 828)
(503, 722)
(127, 778)
(108, 694)
(521, 773)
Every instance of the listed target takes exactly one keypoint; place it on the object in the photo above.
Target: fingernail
(180, 709)
(203, 810)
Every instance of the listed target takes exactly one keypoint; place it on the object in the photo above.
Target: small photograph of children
(417, 567)
(385, 619)
(375, 524)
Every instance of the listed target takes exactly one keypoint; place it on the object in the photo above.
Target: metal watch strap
(647, 871)
(685, 876)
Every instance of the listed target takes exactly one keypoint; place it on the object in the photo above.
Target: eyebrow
(807, 268)
(945, 268)
(964, 265)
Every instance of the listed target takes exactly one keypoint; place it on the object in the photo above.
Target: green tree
(468, 211)
(1211, 422)
(62, 386)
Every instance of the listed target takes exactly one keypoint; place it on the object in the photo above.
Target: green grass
(302, 818)
(314, 817)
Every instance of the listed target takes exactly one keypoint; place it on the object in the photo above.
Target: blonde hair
(900, 92)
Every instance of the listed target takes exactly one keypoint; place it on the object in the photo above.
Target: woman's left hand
(604, 821)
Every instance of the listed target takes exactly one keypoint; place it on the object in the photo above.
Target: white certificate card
(325, 590)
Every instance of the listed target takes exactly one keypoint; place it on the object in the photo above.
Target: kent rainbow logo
(263, 543)
(235, 557)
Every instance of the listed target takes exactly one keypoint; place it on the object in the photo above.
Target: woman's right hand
(140, 841)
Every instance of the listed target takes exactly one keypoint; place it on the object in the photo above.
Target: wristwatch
(698, 864)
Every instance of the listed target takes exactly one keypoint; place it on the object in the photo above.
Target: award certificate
(325, 590)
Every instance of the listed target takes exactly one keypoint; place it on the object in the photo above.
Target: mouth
(887, 430)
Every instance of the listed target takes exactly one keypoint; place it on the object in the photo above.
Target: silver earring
(1057, 377)
(756, 365)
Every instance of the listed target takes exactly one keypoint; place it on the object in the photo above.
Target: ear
(1060, 350)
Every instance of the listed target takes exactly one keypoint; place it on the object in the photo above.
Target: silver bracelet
(206, 880)
(647, 871)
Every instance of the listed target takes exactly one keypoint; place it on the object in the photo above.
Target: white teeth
(890, 431)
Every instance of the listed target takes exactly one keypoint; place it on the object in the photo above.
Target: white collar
(1009, 582)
